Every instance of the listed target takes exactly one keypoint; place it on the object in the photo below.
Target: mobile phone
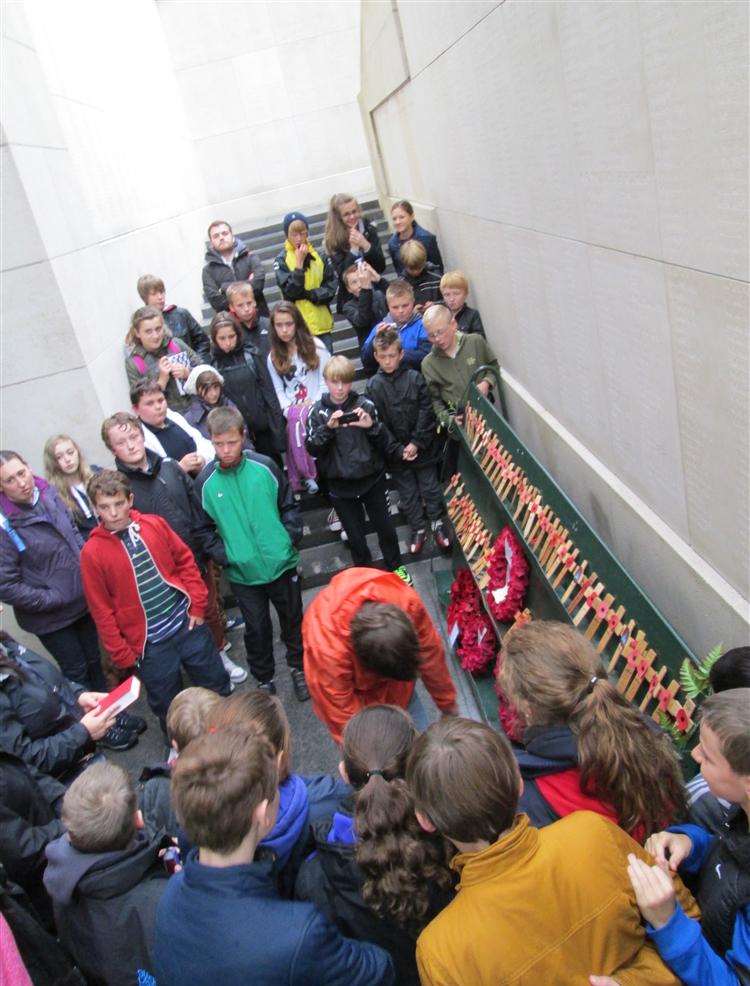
(349, 418)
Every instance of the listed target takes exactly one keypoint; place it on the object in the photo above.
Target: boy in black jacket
(346, 437)
(105, 877)
(403, 401)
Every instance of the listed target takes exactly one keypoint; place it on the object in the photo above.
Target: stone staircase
(322, 553)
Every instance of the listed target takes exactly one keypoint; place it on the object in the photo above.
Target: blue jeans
(160, 668)
(417, 711)
(76, 649)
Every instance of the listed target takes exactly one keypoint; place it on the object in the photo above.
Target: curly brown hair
(402, 865)
(556, 676)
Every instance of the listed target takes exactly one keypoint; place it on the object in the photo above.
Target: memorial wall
(586, 165)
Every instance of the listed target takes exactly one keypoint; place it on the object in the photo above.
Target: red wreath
(476, 644)
(509, 576)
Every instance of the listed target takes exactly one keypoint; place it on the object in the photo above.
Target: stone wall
(586, 164)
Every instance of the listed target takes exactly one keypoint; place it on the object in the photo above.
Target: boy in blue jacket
(715, 952)
(221, 919)
(408, 321)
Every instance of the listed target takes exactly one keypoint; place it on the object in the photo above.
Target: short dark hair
(388, 337)
(148, 385)
(732, 670)
(728, 715)
(463, 776)
(385, 641)
(108, 482)
(223, 419)
(218, 781)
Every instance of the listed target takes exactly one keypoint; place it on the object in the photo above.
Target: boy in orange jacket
(533, 906)
(367, 637)
(147, 598)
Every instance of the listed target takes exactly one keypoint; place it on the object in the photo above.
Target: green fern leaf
(695, 678)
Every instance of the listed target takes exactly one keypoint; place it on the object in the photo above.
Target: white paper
(453, 636)
(499, 595)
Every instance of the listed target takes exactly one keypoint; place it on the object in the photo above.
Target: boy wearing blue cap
(306, 277)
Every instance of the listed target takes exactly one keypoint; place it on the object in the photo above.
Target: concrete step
(247, 232)
(267, 248)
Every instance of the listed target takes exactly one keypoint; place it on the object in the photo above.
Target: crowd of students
(440, 854)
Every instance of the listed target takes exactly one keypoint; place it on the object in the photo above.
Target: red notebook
(122, 696)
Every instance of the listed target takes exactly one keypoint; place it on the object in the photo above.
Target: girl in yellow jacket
(307, 278)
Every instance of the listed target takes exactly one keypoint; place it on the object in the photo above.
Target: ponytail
(557, 677)
(400, 863)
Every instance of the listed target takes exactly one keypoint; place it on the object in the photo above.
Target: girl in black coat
(353, 877)
(248, 385)
(350, 237)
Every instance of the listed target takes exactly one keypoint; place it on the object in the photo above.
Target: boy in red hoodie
(147, 597)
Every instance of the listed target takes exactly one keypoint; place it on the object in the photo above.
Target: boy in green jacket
(448, 367)
(252, 525)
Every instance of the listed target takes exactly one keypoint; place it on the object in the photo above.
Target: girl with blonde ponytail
(585, 746)
(375, 873)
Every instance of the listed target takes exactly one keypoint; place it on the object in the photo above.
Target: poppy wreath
(509, 576)
(476, 644)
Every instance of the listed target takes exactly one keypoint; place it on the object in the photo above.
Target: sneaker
(332, 521)
(301, 691)
(267, 686)
(117, 738)
(343, 535)
(235, 622)
(227, 646)
(403, 575)
(235, 672)
(417, 541)
(311, 487)
(441, 535)
(131, 724)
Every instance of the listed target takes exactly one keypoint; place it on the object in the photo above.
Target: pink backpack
(140, 362)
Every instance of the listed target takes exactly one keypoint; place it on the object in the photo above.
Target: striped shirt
(165, 606)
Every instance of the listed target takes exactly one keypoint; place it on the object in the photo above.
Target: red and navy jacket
(112, 591)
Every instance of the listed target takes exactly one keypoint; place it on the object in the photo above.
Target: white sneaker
(333, 522)
(311, 487)
(235, 672)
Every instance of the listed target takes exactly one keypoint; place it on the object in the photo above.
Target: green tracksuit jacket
(251, 521)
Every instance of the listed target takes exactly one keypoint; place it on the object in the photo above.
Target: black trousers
(76, 649)
(418, 492)
(263, 442)
(286, 595)
(352, 516)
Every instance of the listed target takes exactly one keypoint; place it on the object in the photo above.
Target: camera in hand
(349, 418)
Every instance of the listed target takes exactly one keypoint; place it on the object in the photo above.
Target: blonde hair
(336, 236)
(340, 368)
(455, 279)
(413, 255)
(98, 809)
(552, 673)
(57, 477)
(238, 288)
(188, 714)
(296, 226)
(396, 289)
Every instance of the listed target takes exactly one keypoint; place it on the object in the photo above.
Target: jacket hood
(190, 383)
(11, 509)
(291, 820)
(100, 875)
(547, 750)
(213, 256)
(153, 459)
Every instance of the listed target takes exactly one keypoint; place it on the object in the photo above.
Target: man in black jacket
(105, 877)
(227, 260)
(160, 486)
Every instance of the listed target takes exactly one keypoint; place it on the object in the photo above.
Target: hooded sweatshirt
(105, 906)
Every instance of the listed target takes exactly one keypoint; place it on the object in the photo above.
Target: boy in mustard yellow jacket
(533, 906)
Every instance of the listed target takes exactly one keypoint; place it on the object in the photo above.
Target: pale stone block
(29, 116)
(21, 242)
(309, 22)
(211, 94)
(696, 74)
(199, 33)
(321, 72)
(261, 86)
(279, 156)
(384, 66)
(38, 339)
(14, 23)
(427, 37)
(82, 277)
(231, 164)
(711, 352)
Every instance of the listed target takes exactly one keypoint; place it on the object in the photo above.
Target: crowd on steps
(441, 852)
